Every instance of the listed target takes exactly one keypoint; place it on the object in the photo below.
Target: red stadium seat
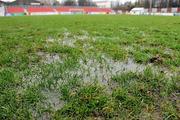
(15, 10)
(63, 9)
(107, 10)
(40, 9)
(84, 9)
(91, 9)
(179, 10)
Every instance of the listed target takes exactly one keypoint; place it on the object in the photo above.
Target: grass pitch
(90, 67)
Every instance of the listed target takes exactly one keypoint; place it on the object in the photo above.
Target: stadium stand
(54, 10)
(83, 10)
(154, 10)
(41, 11)
(15, 11)
(63, 10)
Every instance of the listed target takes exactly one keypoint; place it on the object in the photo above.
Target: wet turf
(89, 67)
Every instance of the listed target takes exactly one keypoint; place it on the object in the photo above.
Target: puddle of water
(103, 70)
(50, 39)
(93, 69)
(30, 78)
(34, 75)
(168, 52)
(52, 99)
(90, 69)
(70, 40)
(67, 42)
(83, 37)
(49, 58)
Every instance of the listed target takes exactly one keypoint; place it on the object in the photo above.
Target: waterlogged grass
(89, 67)
(147, 91)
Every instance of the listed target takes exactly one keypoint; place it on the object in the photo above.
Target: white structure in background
(35, 4)
(174, 10)
(154, 10)
(2, 11)
(103, 4)
(8, 0)
(62, 1)
(110, 3)
(137, 11)
(50, 2)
